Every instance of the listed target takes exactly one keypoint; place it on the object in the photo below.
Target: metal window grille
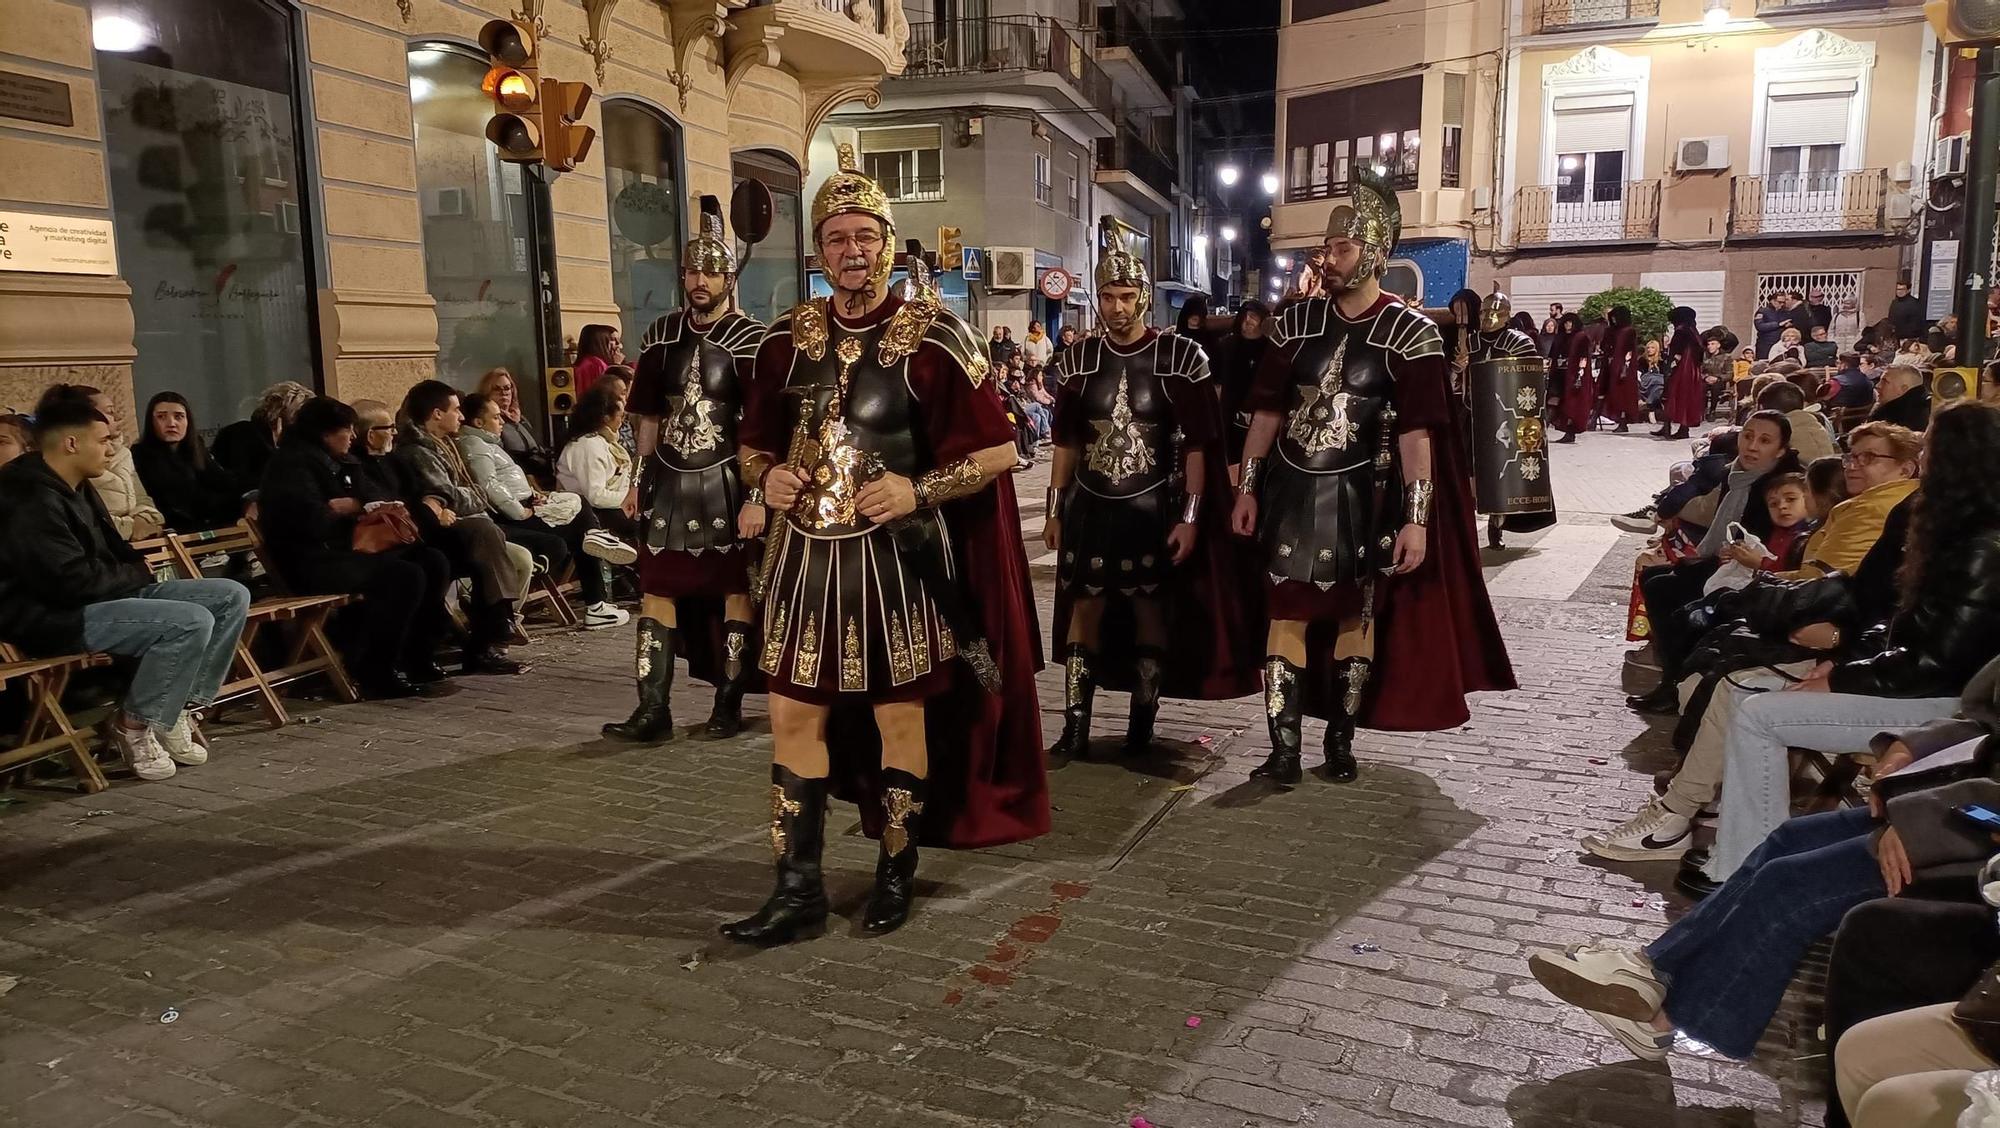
(1838, 286)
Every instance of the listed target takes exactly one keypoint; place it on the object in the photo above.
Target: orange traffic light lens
(515, 91)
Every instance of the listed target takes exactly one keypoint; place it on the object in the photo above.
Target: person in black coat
(1235, 365)
(1906, 313)
(1902, 399)
(247, 444)
(312, 498)
(191, 489)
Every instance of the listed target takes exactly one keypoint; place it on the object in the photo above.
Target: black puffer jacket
(1934, 648)
(59, 554)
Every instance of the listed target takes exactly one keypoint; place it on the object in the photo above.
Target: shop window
(203, 158)
(479, 225)
(642, 186)
(771, 279)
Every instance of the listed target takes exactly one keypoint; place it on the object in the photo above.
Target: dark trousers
(559, 546)
(1666, 590)
(402, 601)
(1896, 953)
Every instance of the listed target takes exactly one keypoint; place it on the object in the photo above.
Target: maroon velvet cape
(1576, 400)
(1686, 402)
(1621, 375)
(1215, 608)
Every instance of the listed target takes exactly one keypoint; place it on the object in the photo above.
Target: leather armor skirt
(1115, 544)
(690, 537)
(848, 614)
(1317, 535)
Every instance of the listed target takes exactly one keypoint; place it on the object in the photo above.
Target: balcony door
(1592, 143)
(1805, 148)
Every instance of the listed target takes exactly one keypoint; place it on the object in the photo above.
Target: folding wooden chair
(549, 592)
(308, 650)
(47, 730)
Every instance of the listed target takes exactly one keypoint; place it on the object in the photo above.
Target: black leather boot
(796, 909)
(486, 629)
(1145, 701)
(1281, 709)
(726, 719)
(653, 665)
(1339, 747)
(896, 869)
(1078, 689)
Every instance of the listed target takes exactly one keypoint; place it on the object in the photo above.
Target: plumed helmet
(1495, 311)
(1119, 265)
(852, 192)
(709, 251)
(1373, 217)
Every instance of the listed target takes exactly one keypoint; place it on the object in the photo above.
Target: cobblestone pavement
(473, 912)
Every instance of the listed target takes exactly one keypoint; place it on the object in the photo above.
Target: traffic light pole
(1982, 180)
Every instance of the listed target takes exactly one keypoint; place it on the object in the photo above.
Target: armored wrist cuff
(755, 466)
(1252, 468)
(1190, 509)
(938, 486)
(754, 496)
(1417, 501)
(1052, 504)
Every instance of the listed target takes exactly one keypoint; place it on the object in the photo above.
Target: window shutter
(1594, 129)
(900, 138)
(1807, 119)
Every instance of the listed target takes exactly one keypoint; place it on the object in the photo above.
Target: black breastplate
(703, 403)
(1131, 448)
(1340, 386)
(863, 421)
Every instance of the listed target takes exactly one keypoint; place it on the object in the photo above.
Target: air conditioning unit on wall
(1010, 268)
(1948, 155)
(1701, 154)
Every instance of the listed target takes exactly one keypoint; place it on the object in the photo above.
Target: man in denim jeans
(69, 582)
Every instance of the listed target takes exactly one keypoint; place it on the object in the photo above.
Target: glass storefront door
(769, 284)
(201, 137)
(642, 186)
(480, 222)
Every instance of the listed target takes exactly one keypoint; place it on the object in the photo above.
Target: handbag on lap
(383, 528)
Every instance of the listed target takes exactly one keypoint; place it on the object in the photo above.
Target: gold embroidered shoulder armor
(806, 323)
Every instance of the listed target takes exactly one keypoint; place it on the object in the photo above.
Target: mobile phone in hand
(1985, 817)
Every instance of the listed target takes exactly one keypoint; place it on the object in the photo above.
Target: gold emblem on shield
(1528, 435)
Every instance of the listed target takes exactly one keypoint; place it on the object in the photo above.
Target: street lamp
(1228, 233)
(1270, 182)
(1227, 174)
(1201, 246)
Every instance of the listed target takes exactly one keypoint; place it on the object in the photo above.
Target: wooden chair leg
(50, 711)
(313, 628)
(246, 665)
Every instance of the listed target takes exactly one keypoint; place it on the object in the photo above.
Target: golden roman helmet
(709, 251)
(851, 192)
(1119, 265)
(1495, 311)
(1371, 217)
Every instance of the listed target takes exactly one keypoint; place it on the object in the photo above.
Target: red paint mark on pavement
(1019, 944)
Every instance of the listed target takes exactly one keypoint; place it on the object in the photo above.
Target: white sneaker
(1602, 978)
(598, 616)
(608, 548)
(184, 743)
(1646, 1043)
(1656, 833)
(149, 761)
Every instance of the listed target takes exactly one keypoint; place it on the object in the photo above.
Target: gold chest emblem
(1320, 422)
(1120, 450)
(835, 472)
(692, 427)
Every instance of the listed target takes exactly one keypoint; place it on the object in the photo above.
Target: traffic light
(565, 140)
(513, 81)
(951, 249)
(1964, 22)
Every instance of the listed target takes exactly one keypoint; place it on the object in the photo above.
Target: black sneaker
(1638, 521)
(1693, 880)
(492, 662)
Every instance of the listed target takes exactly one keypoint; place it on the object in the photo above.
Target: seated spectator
(1820, 351)
(619, 379)
(1905, 399)
(1746, 362)
(1718, 973)
(1827, 483)
(1789, 346)
(192, 490)
(132, 511)
(1879, 472)
(515, 507)
(312, 498)
(1717, 370)
(1916, 354)
(517, 435)
(69, 582)
(1944, 333)
(1789, 501)
(1762, 449)
(1653, 378)
(596, 468)
(1909, 1070)
(1811, 438)
(16, 437)
(1849, 386)
(245, 446)
(598, 347)
(427, 451)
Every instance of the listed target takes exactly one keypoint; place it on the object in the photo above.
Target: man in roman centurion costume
(1136, 514)
(1379, 614)
(899, 642)
(1494, 339)
(697, 522)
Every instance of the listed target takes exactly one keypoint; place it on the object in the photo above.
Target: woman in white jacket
(526, 513)
(596, 468)
(119, 488)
